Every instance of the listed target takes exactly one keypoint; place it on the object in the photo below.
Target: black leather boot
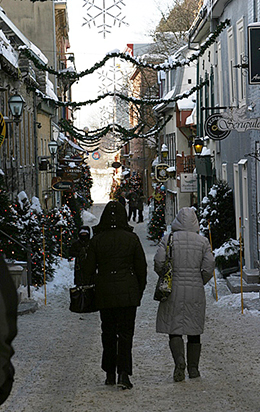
(123, 381)
(177, 348)
(111, 378)
(193, 357)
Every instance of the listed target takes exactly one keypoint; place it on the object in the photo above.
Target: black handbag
(164, 284)
(82, 299)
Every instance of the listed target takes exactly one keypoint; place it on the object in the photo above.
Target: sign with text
(161, 174)
(188, 182)
(253, 53)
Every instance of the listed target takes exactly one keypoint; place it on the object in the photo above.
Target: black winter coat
(79, 250)
(8, 329)
(117, 259)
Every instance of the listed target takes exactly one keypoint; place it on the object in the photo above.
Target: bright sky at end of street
(89, 46)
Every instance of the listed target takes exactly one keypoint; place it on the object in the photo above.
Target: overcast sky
(90, 47)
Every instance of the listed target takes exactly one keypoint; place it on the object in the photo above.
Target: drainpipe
(35, 146)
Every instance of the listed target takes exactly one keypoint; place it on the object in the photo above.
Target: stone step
(251, 275)
(234, 284)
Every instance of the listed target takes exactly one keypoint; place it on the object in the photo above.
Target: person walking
(8, 329)
(140, 206)
(79, 250)
(117, 261)
(132, 198)
(183, 313)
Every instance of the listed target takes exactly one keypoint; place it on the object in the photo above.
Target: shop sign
(61, 185)
(212, 127)
(96, 155)
(218, 126)
(116, 165)
(188, 182)
(253, 53)
(2, 129)
(160, 172)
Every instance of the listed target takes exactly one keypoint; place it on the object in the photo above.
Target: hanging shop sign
(96, 155)
(212, 127)
(61, 185)
(253, 53)
(188, 182)
(2, 129)
(160, 172)
(116, 165)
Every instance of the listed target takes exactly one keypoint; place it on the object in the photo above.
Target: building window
(240, 58)
(220, 75)
(171, 144)
(231, 60)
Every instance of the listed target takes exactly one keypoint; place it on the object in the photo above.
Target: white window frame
(231, 64)
(237, 197)
(220, 75)
(224, 172)
(240, 59)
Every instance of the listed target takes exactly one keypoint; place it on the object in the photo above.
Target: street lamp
(164, 151)
(53, 147)
(16, 104)
(198, 145)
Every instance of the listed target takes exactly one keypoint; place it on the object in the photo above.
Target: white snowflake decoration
(105, 14)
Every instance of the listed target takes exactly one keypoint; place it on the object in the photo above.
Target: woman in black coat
(8, 329)
(79, 249)
(117, 260)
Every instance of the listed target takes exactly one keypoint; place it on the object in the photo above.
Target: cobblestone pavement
(58, 356)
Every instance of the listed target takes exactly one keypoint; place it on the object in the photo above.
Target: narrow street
(58, 355)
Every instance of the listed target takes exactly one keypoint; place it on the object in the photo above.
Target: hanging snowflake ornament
(107, 15)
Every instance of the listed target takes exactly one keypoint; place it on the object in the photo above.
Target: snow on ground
(58, 355)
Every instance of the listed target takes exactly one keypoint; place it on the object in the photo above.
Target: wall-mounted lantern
(53, 147)
(16, 104)
(198, 145)
(164, 151)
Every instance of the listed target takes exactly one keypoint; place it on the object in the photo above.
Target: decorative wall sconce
(16, 104)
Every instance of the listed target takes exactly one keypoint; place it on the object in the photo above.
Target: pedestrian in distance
(117, 261)
(140, 206)
(8, 330)
(183, 313)
(122, 199)
(79, 250)
(132, 203)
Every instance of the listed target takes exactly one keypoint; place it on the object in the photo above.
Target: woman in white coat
(183, 313)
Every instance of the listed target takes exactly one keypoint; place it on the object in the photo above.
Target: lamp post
(53, 148)
(16, 104)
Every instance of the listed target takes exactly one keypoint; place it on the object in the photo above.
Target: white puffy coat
(183, 313)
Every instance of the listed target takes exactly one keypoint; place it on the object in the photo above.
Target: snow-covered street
(58, 355)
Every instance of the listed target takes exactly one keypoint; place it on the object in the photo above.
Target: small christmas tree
(7, 221)
(156, 225)
(62, 228)
(218, 209)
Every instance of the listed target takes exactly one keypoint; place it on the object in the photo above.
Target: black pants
(132, 211)
(117, 338)
(191, 338)
(140, 216)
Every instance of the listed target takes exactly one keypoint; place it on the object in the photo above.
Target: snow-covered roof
(63, 138)
(7, 50)
(5, 21)
(50, 89)
(188, 103)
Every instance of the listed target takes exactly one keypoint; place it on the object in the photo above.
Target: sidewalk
(58, 355)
